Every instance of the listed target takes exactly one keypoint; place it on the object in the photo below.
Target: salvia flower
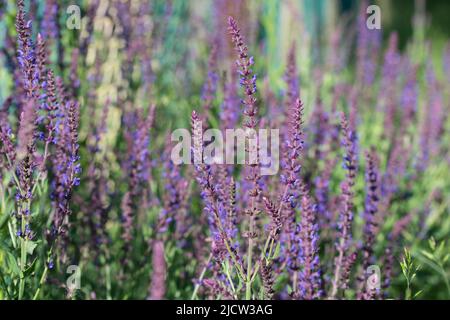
(210, 86)
(41, 58)
(291, 78)
(214, 208)
(446, 61)
(26, 54)
(322, 194)
(292, 90)
(244, 64)
(66, 168)
(370, 211)
(310, 277)
(26, 136)
(267, 278)
(139, 153)
(7, 146)
(389, 83)
(344, 259)
(229, 111)
(368, 44)
(127, 220)
(248, 78)
(290, 178)
(50, 21)
(174, 199)
(158, 285)
(291, 166)
(409, 96)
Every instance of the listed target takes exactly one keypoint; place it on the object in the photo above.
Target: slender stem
(294, 282)
(231, 282)
(202, 274)
(44, 159)
(408, 289)
(228, 246)
(12, 234)
(41, 282)
(248, 284)
(44, 274)
(444, 275)
(108, 281)
(107, 272)
(23, 261)
(233, 257)
(23, 250)
(255, 272)
(3, 198)
(16, 180)
(24, 239)
(266, 246)
(337, 272)
(270, 241)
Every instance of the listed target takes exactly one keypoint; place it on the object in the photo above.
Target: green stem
(408, 291)
(24, 240)
(107, 274)
(12, 234)
(202, 274)
(108, 281)
(44, 274)
(42, 166)
(41, 282)
(16, 180)
(444, 275)
(231, 282)
(294, 282)
(23, 261)
(337, 272)
(248, 284)
(227, 245)
(23, 250)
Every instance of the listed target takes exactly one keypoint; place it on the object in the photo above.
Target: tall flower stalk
(370, 218)
(248, 83)
(345, 257)
(310, 276)
(26, 136)
(213, 206)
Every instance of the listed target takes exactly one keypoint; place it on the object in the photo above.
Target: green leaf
(417, 294)
(31, 268)
(4, 246)
(428, 254)
(432, 243)
(261, 294)
(4, 220)
(440, 249)
(12, 263)
(31, 245)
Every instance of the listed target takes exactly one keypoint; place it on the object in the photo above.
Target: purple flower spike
(310, 277)
(345, 258)
(158, 285)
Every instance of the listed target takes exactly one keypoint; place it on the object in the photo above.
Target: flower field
(95, 202)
